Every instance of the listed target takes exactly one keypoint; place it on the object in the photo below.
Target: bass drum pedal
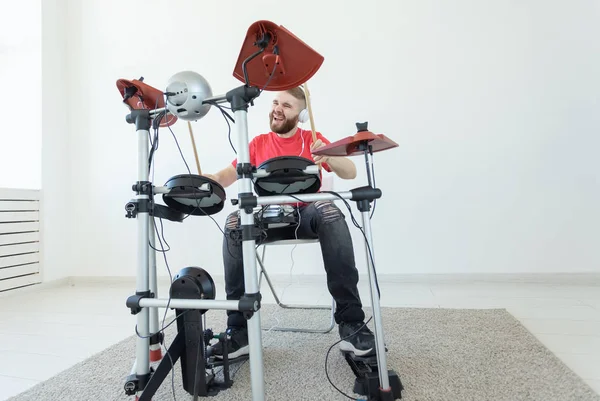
(366, 383)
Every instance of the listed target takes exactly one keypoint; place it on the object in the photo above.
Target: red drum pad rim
(145, 97)
(350, 146)
(296, 61)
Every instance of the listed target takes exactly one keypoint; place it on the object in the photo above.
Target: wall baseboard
(36, 287)
(108, 280)
(582, 279)
(525, 278)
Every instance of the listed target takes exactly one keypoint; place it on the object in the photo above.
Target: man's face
(284, 113)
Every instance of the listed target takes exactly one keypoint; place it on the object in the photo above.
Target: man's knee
(328, 211)
(233, 221)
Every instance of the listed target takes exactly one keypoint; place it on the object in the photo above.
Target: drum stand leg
(144, 304)
(239, 99)
(373, 379)
(141, 371)
(157, 339)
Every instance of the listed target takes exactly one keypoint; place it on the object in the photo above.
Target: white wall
(20, 102)
(494, 105)
(58, 219)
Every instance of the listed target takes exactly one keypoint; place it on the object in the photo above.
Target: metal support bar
(287, 306)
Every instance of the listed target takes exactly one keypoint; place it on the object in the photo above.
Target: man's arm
(228, 175)
(225, 177)
(342, 166)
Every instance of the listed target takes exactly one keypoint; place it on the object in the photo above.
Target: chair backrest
(327, 182)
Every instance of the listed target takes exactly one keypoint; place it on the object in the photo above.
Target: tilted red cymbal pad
(293, 61)
(349, 146)
(138, 95)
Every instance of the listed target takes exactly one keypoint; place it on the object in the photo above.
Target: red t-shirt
(268, 146)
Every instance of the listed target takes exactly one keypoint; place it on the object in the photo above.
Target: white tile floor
(45, 331)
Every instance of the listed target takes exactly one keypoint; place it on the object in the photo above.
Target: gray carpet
(439, 354)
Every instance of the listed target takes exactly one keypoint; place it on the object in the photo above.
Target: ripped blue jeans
(322, 220)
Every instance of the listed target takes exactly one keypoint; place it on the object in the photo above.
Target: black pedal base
(368, 385)
(214, 387)
(367, 378)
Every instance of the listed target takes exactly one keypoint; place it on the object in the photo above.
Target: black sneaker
(361, 343)
(237, 344)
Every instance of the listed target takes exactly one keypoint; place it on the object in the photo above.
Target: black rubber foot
(368, 385)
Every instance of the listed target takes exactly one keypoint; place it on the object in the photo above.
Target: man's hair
(299, 94)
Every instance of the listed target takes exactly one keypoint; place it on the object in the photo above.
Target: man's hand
(318, 158)
(210, 177)
(342, 166)
(225, 177)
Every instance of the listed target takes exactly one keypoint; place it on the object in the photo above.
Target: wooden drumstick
(194, 146)
(310, 116)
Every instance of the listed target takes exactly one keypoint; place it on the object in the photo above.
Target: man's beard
(287, 126)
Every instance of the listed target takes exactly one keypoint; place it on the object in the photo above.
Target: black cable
(197, 207)
(154, 148)
(155, 125)
(361, 230)
(275, 51)
(227, 117)
(169, 300)
(195, 189)
(327, 357)
(374, 186)
(180, 151)
(162, 233)
(160, 330)
(374, 274)
(163, 251)
(365, 237)
(166, 308)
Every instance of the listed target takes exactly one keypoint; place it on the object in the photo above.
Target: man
(322, 220)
